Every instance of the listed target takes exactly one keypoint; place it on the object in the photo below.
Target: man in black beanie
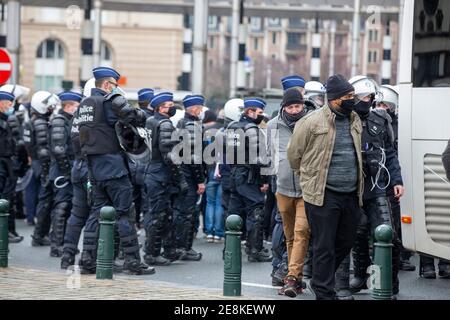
(325, 150)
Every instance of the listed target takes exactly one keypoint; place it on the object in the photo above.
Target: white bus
(424, 125)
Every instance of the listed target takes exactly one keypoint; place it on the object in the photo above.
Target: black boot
(156, 261)
(40, 241)
(67, 260)
(260, 256)
(444, 269)
(361, 257)
(87, 263)
(190, 255)
(56, 252)
(406, 265)
(133, 266)
(427, 269)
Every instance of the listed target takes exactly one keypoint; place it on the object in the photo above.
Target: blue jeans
(214, 210)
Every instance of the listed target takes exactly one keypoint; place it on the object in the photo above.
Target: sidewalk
(29, 284)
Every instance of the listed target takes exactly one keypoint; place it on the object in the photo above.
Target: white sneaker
(209, 238)
(218, 239)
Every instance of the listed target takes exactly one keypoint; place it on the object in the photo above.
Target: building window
(49, 68)
(274, 37)
(213, 23)
(255, 43)
(211, 42)
(296, 40)
(256, 24)
(274, 22)
(372, 56)
(105, 55)
(373, 35)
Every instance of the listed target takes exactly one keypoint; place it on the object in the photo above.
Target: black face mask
(363, 107)
(347, 106)
(259, 119)
(172, 111)
(392, 114)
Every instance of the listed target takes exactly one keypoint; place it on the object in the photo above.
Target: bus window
(431, 47)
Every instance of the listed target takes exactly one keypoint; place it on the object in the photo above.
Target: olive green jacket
(310, 150)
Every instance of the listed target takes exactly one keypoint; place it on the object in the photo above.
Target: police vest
(75, 138)
(6, 140)
(373, 141)
(96, 135)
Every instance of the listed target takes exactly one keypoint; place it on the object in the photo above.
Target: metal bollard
(382, 288)
(233, 257)
(105, 251)
(4, 240)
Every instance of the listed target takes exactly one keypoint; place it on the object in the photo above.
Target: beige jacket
(310, 149)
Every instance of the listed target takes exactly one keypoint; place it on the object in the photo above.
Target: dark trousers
(333, 229)
(80, 212)
(31, 198)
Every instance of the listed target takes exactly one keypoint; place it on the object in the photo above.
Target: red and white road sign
(5, 66)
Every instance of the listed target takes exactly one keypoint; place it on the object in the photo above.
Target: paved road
(208, 273)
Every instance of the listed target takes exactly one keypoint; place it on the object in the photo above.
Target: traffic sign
(5, 66)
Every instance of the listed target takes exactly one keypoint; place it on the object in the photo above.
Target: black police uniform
(377, 143)
(194, 173)
(97, 116)
(20, 164)
(62, 157)
(36, 137)
(163, 181)
(7, 175)
(246, 181)
(81, 200)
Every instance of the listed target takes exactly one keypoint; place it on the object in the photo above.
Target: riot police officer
(7, 151)
(62, 157)
(163, 180)
(145, 95)
(389, 102)
(190, 128)
(232, 111)
(36, 137)
(382, 170)
(20, 158)
(81, 200)
(248, 186)
(97, 117)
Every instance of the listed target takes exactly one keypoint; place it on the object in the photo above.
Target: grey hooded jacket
(278, 136)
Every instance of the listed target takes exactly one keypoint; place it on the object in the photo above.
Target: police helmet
(20, 92)
(315, 93)
(43, 101)
(177, 117)
(389, 96)
(88, 86)
(365, 86)
(233, 109)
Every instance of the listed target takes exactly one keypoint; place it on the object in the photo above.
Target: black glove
(140, 118)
